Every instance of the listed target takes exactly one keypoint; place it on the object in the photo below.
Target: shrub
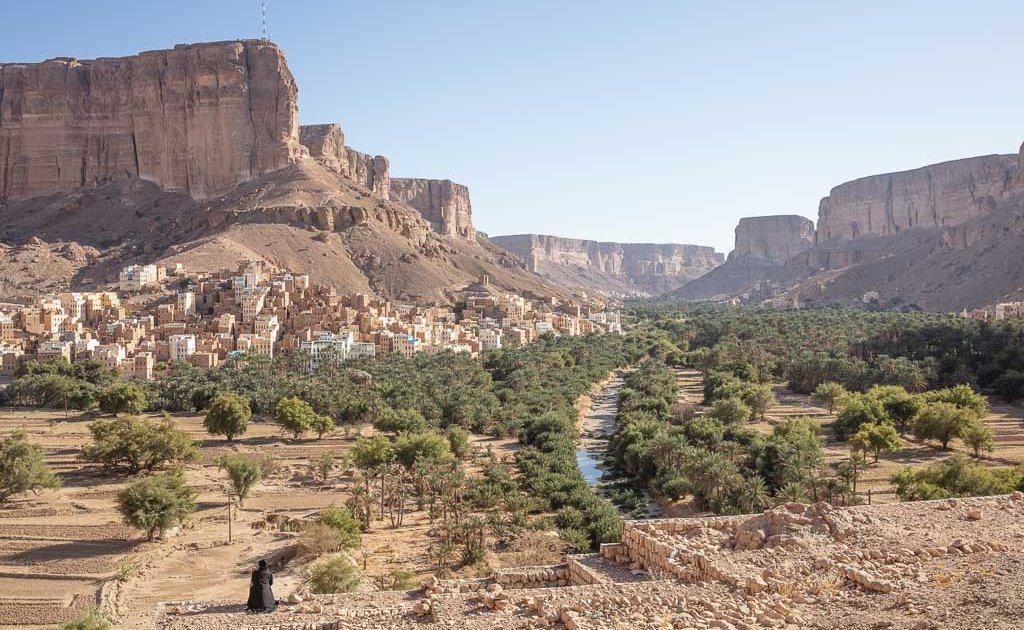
(341, 520)
(323, 465)
(675, 488)
(228, 415)
(458, 441)
(93, 620)
(402, 580)
(576, 540)
(334, 575)
(955, 477)
(123, 398)
(22, 468)
(1009, 386)
(244, 472)
(138, 445)
(154, 504)
(294, 415)
(318, 539)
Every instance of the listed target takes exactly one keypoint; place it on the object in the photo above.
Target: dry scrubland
(64, 550)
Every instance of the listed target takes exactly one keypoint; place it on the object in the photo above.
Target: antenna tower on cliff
(263, 20)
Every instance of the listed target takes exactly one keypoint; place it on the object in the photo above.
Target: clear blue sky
(630, 121)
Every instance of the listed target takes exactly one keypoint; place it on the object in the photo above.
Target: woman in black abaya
(261, 596)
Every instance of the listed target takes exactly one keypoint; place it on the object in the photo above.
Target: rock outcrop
(648, 267)
(441, 201)
(198, 119)
(326, 143)
(940, 195)
(773, 238)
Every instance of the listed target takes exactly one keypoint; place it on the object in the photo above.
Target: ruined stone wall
(199, 119)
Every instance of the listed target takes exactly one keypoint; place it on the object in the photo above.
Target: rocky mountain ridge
(608, 267)
(942, 237)
(196, 155)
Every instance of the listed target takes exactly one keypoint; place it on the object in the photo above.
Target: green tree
(228, 415)
(760, 399)
(857, 410)
(137, 445)
(943, 421)
(333, 575)
(123, 398)
(900, 405)
(1009, 386)
(22, 468)
(156, 503)
(426, 447)
(829, 394)
(321, 425)
(341, 520)
(962, 396)
(874, 438)
(979, 437)
(730, 411)
(243, 471)
(294, 415)
(400, 421)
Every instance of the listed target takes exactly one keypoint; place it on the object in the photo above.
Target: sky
(639, 121)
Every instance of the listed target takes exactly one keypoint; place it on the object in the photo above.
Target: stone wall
(198, 119)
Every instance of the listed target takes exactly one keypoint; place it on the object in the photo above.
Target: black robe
(261, 596)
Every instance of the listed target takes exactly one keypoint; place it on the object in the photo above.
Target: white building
(490, 338)
(1009, 309)
(135, 277)
(338, 346)
(181, 347)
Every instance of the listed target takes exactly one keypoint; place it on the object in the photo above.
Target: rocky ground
(918, 566)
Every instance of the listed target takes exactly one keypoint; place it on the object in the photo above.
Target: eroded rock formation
(326, 143)
(199, 119)
(653, 267)
(441, 201)
(940, 195)
(773, 238)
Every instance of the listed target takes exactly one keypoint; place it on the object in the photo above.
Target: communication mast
(263, 20)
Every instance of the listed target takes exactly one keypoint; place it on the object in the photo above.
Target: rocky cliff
(773, 238)
(326, 143)
(198, 119)
(441, 201)
(939, 195)
(612, 267)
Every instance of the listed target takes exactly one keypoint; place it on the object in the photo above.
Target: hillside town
(162, 315)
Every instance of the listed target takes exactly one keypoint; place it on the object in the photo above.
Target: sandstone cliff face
(326, 143)
(441, 201)
(654, 268)
(940, 195)
(772, 238)
(198, 119)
